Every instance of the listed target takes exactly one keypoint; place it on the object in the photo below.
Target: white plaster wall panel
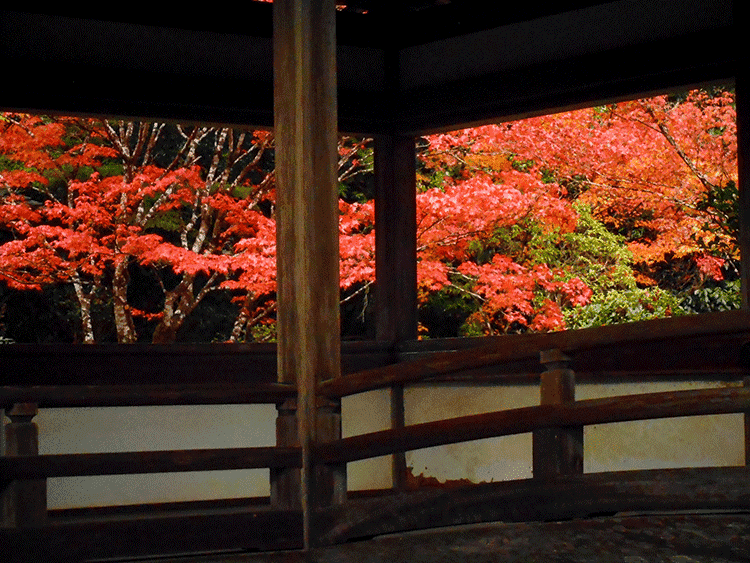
(363, 413)
(649, 444)
(681, 442)
(701, 441)
(115, 490)
(96, 430)
(494, 459)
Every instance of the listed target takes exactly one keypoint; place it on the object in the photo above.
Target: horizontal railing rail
(72, 396)
(130, 463)
(527, 419)
(633, 347)
(27, 365)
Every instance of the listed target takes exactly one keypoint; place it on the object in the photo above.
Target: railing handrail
(526, 347)
(527, 419)
(72, 396)
(28, 365)
(132, 463)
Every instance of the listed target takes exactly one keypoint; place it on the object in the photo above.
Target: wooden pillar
(742, 91)
(24, 502)
(742, 101)
(396, 259)
(557, 451)
(305, 128)
(396, 238)
(747, 427)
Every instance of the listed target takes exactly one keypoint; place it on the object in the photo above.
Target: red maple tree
(91, 203)
(660, 172)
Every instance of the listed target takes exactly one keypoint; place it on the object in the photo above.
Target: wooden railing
(710, 346)
(56, 376)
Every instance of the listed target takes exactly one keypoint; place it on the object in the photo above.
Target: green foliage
(448, 311)
(718, 296)
(600, 258)
(722, 202)
(623, 306)
(522, 165)
(263, 332)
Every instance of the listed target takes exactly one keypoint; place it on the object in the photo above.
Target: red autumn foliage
(89, 203)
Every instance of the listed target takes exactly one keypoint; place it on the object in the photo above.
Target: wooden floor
(626, 538)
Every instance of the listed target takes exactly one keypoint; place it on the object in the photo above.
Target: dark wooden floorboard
(646, 538)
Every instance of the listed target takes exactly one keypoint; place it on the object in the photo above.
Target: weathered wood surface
(71, 396)
(120, 463)
(69, 540)
(742, 85)
(575, 496)
(177, 364)
(395, 238)
(307, 230)
(24, 503)
(672, 345)
(668, 538)
(557, 451)
(711, 538)
(396, 315)
(526, 419)
(528, 79)
(398, 420)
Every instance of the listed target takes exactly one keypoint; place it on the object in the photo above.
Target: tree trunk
(123, 319)
(84, 302)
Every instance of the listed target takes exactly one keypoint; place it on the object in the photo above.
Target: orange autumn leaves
(645, 169)
(80, 198)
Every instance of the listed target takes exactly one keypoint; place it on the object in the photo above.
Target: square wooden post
(557, 451)
(742, 100)
(24, 502)
(742, 89)
(285, 481)
(396, 259)
(746, 383)
(307, 218)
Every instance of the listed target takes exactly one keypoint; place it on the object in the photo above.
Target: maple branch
(261, 148)
(155, 133)
(467, 292)
(263, 188)
(364, 288)
(116, 140)
(717, 217)
(243, 322)
(84, 302)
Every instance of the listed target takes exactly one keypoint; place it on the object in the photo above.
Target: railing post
(557, 451)
(24, 502)
(330, 480)
(285, 481)
(747, 426)
(398, 420)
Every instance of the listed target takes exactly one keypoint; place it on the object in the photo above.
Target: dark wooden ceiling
(404, 66)
(373, 23)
